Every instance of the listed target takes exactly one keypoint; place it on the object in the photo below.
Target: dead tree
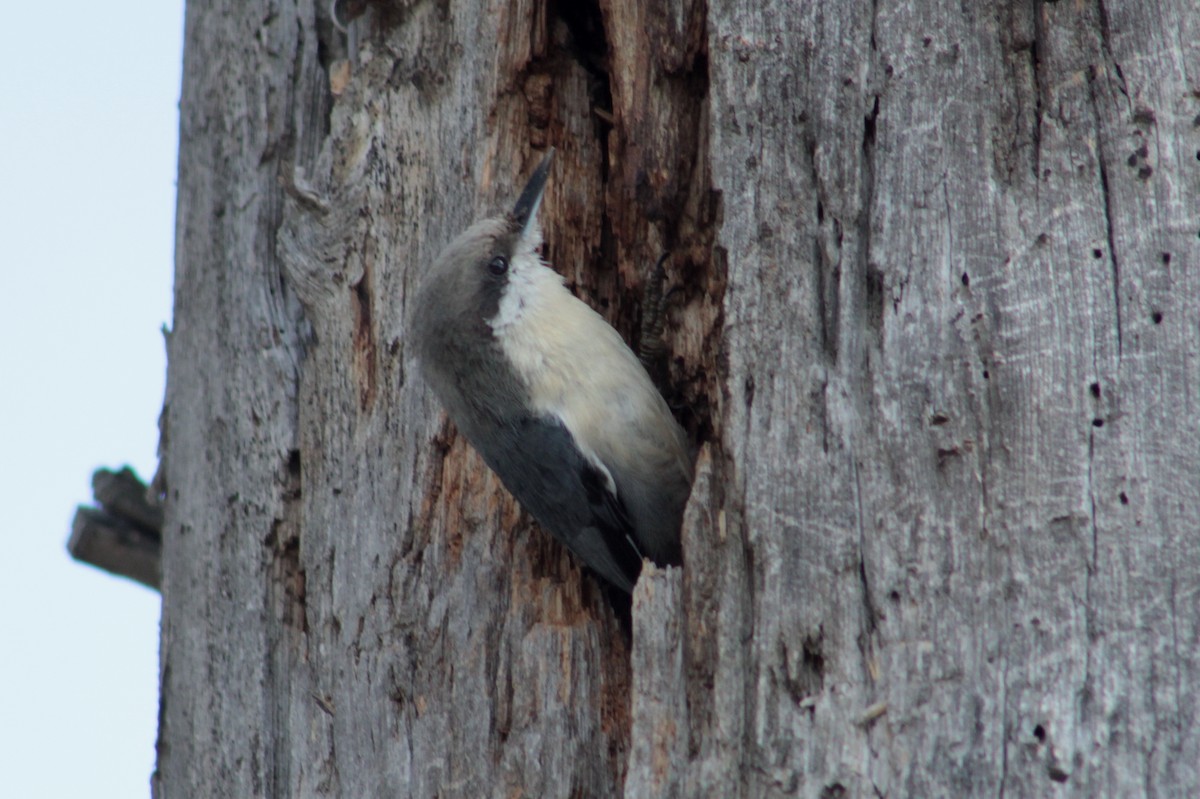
(936, 272)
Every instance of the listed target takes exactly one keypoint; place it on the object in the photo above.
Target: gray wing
(537, 460)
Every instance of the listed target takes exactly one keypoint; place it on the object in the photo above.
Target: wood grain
(934, 336)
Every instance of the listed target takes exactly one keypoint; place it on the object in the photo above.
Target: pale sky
(88, 133)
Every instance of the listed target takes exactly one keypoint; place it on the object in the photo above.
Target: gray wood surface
(935, 336)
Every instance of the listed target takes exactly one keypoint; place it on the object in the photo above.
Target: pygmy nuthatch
(551, 397)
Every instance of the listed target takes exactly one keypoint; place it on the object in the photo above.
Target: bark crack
(869, 273)
(286, 598)
(1093, 559)
(1040, 89)
(866, 641)
(872, 276)
(949, 226)
(365, 355)
(826, 300)
(1003, 729)
(828, 273)
(1109, 210)
(1089, 574)
(1106, 46)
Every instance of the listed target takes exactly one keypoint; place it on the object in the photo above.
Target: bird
(551, 397)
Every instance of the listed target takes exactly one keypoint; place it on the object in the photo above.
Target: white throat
(530, 281)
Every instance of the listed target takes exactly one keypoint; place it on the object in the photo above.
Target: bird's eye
(498, 265)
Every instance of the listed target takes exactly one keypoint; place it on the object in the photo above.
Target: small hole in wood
(1039, 732)
(966, 279)
(1157, 317)
(1097, 423)
(1166, 257)
(1095, 387)
(1097, 253)
(1124, 498)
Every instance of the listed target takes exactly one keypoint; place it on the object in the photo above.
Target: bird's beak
(524, 213)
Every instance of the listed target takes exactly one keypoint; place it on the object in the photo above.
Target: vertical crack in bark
(1093, 562)
(748, 606)
(365, 356)
(872, 309)
(873, 299)
(1109, 211)
(1085, 693)
(286, 599)
(874, 27)
(330, 48)
(1106, 46)
(822, 406)
(866, 639)
(1102, 158)
(1040, 89)
(826, 309)
(828, 289)
(949, 223)
(1004, 712)
(872, 277)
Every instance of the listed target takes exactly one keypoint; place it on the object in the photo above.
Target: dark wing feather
(538, 461)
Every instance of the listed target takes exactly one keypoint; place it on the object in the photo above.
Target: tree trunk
(934, 334)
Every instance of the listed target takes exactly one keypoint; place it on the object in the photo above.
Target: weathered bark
(934, 334)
